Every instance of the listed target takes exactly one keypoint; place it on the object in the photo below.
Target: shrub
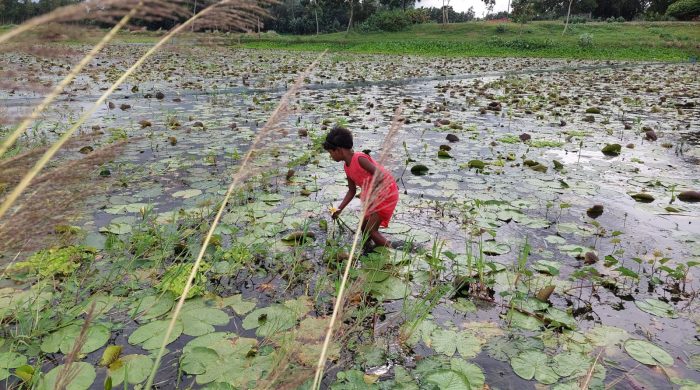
(576, 20)
(501, 28)
(585, 40)
(418, 16)
(620, 19)
(684, 9)
(387, 21)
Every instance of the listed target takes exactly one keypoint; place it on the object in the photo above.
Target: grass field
(615, 41)
(664, 41)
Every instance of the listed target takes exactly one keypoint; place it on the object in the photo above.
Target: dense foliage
(323, 16)
(684, 9)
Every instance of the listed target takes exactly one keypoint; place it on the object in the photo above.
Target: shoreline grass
(662, 41)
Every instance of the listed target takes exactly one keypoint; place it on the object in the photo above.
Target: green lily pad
(186, 194)
(534, 364)
(571, 364)
(117, 228)
(234, 361)
(647, 353)
(269, 320)
(63, 340)
(657, 307)
(150, 336)
(132, 369)
(198, 319)
(471, 371)
(419, 170)
(81, 378)
(238, 305)
(10, 360)
(153, 306)
(448, 342)
(448, 380)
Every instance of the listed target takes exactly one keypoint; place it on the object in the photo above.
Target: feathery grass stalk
(386, 146)
(106, 11)
(238, 177)
(7, 142)
(26, 180)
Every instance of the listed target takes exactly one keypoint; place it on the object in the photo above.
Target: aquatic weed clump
(56, 261)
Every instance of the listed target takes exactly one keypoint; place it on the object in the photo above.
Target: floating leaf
(657, 307)
(81, 378)
(534, 364)
(448, 380)
(64, 339)
(571, 364)
(150, 336)
(607, 336)
(473, 373)
(238, 305)
(648, 353)
(234, 361)
(132, 369)
(419, 170)
(270, 320)
(110, 355)
(153, 306)
(186, 194)
(10, 360)
(198, 320)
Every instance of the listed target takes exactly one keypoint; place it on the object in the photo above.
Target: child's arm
(352, 190)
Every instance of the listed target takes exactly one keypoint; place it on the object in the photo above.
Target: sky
(463, 5)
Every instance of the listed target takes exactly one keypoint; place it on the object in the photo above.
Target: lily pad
(648, 353)
(150, 336)
(657, 307)
(63, 340)
(419, 170)
(186, 194)
(269, 320)
(10, 360)
(237, 303)
(534, 364)
(81, 378)
(448, 380)
(132, 369)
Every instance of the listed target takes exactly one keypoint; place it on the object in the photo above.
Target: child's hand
(335, 213)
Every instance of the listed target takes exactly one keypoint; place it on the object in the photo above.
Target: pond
(555, 225)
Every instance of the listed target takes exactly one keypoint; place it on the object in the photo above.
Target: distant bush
(684, 9)
(653, 16)
(501, 28)
(387, 21)
(418, 16)
(613, 19)
(577, 20)
(585, 40)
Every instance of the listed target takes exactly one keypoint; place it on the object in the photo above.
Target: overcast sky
(463, 5)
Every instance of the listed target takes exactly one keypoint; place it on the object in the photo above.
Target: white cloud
(463, 5)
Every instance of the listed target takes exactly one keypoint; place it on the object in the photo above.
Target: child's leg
(371, 227)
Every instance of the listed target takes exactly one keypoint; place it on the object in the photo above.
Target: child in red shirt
(380, 202)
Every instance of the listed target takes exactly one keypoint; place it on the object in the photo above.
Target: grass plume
(208, 14)
(106, 11)
(24, 125)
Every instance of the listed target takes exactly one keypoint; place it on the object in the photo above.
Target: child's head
(337, 140)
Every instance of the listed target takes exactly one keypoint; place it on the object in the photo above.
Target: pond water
(505, 211)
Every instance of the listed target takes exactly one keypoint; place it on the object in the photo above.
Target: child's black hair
(338, 137)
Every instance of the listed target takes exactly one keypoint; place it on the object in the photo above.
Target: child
(359, 168)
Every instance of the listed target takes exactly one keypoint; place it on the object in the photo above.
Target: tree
(523, 10)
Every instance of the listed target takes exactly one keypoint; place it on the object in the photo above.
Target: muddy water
(154, 169)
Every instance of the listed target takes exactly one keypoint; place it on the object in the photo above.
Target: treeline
(323, 16)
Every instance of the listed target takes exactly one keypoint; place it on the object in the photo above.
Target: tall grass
(241, 18)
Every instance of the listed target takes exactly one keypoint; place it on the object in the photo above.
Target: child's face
(336, 154)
